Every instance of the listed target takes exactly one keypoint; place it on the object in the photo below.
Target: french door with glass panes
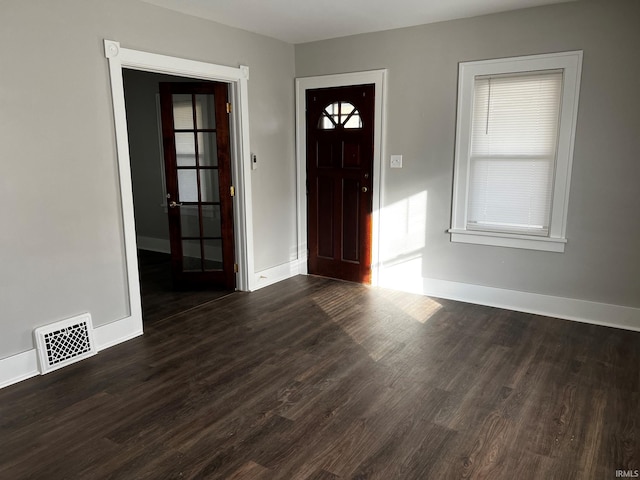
(195, 131)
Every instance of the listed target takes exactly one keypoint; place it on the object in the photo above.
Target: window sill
(528, 242)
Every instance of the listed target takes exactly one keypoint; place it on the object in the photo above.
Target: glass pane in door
(191, 256)
(189, 221)
(205, 111)
(209, 187)
(182, 112)
(212, 254)
(185, 149)
(211, 221)
(207, 149)
(187, 185)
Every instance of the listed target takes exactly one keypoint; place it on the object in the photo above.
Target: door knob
(174, 205)
(365, 189)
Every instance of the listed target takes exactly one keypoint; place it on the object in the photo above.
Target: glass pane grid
(340, 113)
(205, 111)
(198, 184)
(182, 111)
(192, 254)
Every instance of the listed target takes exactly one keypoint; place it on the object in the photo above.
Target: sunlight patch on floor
(420, 310)
(394, 315)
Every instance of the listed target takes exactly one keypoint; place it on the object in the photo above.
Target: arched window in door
(340, 114)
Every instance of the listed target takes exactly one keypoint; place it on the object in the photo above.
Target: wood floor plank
(250, 471)
(315, 379)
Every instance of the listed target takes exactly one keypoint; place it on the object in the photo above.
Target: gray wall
(61, 240)
(602, 258)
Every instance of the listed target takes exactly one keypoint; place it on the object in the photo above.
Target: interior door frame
(378, 78)
(237, 79)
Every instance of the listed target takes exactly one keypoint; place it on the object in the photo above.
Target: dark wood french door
(195, 131)
(340, 126)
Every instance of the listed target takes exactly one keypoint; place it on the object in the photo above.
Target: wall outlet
(396, 161)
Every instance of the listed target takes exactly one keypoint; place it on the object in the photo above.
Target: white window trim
(571, 64)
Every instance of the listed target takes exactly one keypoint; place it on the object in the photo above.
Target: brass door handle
(174, 205)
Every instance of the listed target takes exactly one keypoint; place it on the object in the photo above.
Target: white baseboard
(18, 367)
(276, 274)
(24, 365)
(117, 332)
(617, 316)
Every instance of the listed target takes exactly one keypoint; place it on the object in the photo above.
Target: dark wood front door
(340, 126)
(195, 131)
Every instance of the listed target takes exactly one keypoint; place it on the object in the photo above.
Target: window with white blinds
(514, 146)
(513, 149)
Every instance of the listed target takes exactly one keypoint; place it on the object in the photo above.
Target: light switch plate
(396, 161)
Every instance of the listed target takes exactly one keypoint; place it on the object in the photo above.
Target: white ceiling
(299, 21)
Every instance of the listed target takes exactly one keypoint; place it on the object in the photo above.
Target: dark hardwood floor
(159, 298)
(319, 379)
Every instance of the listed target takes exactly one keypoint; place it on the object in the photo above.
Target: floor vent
(65, 342)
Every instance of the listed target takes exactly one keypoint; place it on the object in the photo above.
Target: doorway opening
(375, 181)
(172, 278)
(236, 79)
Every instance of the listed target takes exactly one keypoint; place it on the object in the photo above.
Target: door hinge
(232, 191)
(229, 107)
(235, 267)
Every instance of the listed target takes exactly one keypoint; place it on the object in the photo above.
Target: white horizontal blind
(513, 150)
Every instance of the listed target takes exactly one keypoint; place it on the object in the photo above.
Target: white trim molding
(508, 240)
(627, 318)
(237, 78)
(378, 78)
(116, 332)
(113, 52)
(24, 365)
(276, 274)
(17, 368)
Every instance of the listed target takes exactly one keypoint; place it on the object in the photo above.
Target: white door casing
(237, 78)
(378, 78)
